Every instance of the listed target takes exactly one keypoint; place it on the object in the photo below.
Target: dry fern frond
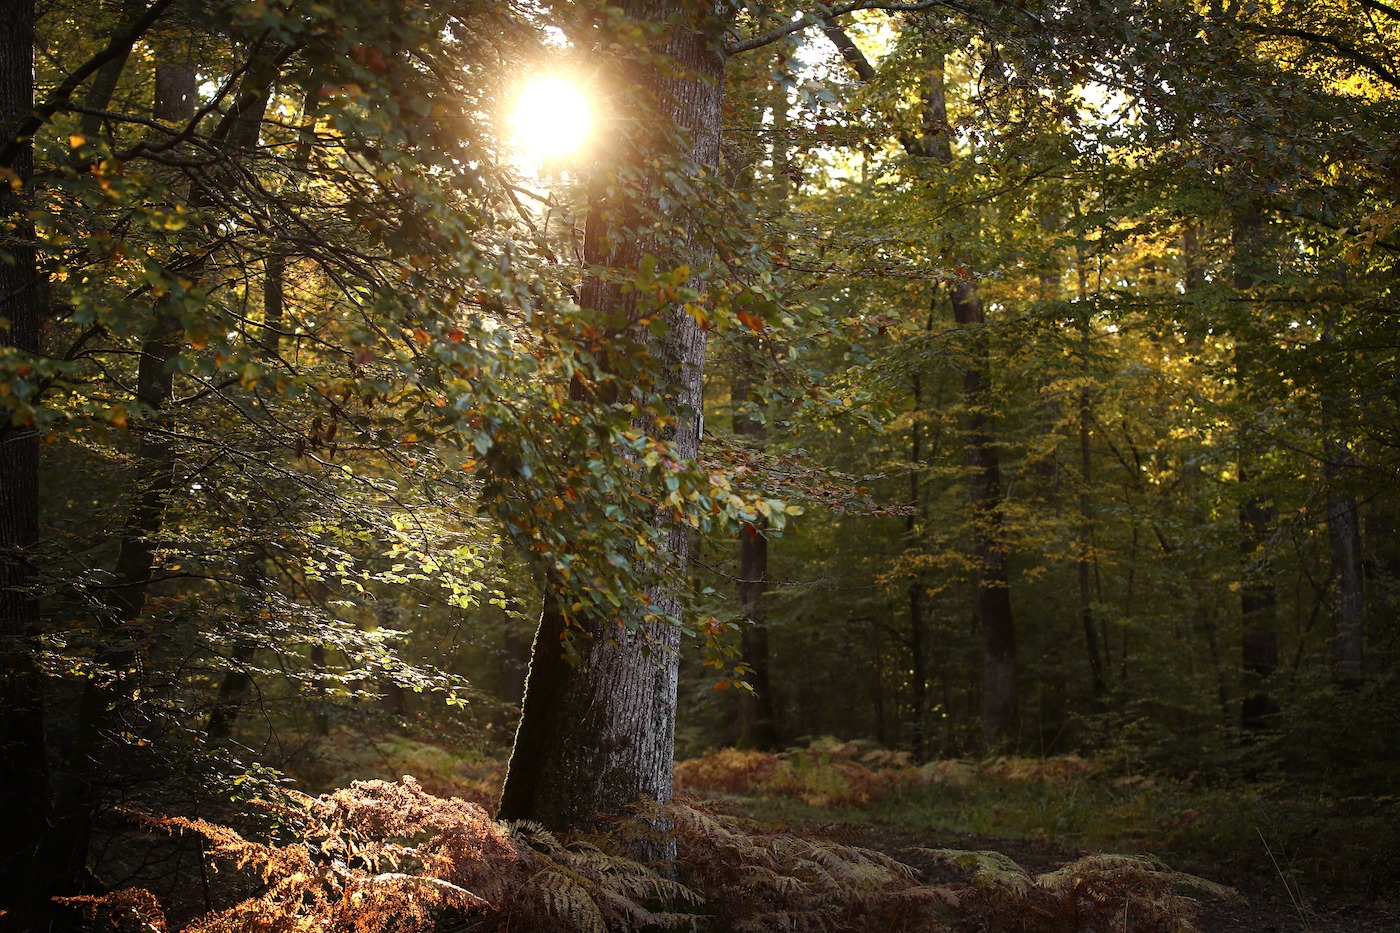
(757, 880)
(130, 910)
(382, 857)
(989, 869)
(1119, 892)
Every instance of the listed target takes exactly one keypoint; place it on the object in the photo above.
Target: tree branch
(120, 45)
(1344, 49)
(1383, 8)
(825, 13)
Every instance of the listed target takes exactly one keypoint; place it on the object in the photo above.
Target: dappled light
(589, 467)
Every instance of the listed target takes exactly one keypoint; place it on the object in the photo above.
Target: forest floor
(1301, 861)
(1266, 905)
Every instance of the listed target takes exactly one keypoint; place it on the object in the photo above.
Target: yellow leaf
(76, 140)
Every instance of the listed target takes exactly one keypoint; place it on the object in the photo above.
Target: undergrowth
(382, 857)
(1238, 831)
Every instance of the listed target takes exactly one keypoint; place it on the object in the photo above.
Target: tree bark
(993, 597)
(598, 735)
(24, 774)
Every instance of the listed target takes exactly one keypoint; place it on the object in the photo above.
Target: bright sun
(552, 118)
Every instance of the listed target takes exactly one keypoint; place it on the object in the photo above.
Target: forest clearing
(699, 465)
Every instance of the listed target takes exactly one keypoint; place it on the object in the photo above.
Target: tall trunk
(757, 726)
(993, 598)
(913, 526)
(24, 776)
(1344, 538)
(757, 723)
(104, 85)
(1258, 592)
(98, 708)
(598, 735)
(234, 685)
(1084, 560)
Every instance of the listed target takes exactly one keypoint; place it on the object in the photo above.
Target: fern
(757, 880)
(382, 857)
(1119, 892)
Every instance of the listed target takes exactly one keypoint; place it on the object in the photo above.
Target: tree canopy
(974, 377)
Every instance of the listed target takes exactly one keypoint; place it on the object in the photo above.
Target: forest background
(990, 382)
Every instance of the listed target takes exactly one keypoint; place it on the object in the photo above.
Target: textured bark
(598, 735)
(24, 777)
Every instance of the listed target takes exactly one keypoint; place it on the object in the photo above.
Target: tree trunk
(1258, 593)
(100, 706)
(1344, 536)
(757, 728)
(24, 775)
(757, 723)
(1084, 560)
(913, 525)
(598, 735)
(993, 598)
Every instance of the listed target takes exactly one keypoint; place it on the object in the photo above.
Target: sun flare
(552, 118)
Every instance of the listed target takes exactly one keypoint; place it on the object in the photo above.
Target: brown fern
(1120, 892)
(385, 857)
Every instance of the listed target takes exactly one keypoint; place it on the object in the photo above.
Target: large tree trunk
(597, 735)
(24, 778)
